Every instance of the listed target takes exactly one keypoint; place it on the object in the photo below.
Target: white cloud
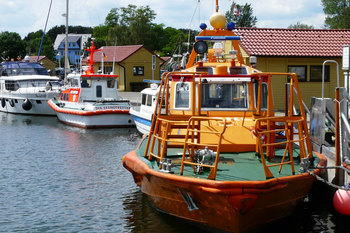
(29, 16)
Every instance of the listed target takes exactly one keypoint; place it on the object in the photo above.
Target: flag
(235, 11)
(104, 55)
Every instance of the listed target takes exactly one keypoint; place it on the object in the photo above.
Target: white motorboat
(92, 101)
(142, 114)
(25, 88)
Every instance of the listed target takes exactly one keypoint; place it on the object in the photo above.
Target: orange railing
(266, 138)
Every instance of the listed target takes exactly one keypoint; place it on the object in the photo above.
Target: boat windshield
(22, 68)
(15, 85)
(218, 95)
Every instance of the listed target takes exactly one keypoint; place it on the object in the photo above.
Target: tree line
(134, 25)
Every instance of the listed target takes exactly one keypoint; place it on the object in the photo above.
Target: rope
(347, 188)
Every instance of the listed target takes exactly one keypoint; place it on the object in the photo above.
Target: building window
(316, 73)
(138, 70)
(301, 72)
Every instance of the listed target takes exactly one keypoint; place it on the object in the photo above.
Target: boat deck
(244, 166)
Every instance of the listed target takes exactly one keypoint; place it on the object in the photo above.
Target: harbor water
(57, 178)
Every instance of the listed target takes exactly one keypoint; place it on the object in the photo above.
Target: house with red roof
(133, 64)
(300, 51)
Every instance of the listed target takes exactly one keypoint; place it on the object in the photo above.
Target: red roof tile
(120, 53)
(34, 58)
(293, 42)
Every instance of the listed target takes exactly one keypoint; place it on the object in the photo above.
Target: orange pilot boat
(217, 154)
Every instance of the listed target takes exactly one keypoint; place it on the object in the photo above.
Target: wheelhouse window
(182, 95)
(85, 83)
(138, 70)
(263, 95)
(316, 73)
(217, 95)
(149, 100)
(74, 82)
(110, 83)
(144, 98)
(301, 72)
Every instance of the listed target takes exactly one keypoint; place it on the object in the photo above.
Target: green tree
(337, 13)
(131, 25)
(299, 25)
(11, 46)
(245, 17)
(112, 18)
(33, 41)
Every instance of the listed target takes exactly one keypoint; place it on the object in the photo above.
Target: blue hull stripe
(141, 120)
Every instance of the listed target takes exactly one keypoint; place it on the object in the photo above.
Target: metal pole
(323, 75)
(66, 44)
(337, 135)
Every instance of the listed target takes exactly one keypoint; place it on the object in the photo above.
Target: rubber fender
(27, 105)
(3, 103)
(12, 104)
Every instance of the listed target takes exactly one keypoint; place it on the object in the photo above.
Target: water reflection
(140, 216)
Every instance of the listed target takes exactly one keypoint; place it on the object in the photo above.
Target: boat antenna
(66, 43)
(115, 48)
(189, 27)
(42, 39)
(217, 6)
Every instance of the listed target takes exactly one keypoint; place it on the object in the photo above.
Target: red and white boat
(92, 101)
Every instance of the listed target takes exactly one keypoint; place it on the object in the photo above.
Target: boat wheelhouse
(218, 154)
(25, 88)
(143, 113)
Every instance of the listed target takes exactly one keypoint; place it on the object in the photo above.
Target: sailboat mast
(66, 62)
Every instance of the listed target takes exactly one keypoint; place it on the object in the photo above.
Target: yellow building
(44, 61)
(300, 51)
(133, 64)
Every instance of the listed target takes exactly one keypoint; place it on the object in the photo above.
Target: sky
(25, 16)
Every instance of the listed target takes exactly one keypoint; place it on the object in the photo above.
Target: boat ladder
(192, 142)
(269, 132)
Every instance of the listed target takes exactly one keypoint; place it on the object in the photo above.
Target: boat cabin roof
(22, 68)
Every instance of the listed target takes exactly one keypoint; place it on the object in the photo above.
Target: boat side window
(85, 83)
(219, 95)
(182, 95)
(110, 83)
(208, 70)
(144, 97)
(75, 82)
(238, 70)
(149, 100)
(11, 85)
(263, 95)
(98, 91)
(3, 72)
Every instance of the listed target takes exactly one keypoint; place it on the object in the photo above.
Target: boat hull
(142, 121)
(97, 121)
(39, 106)
(93, 119)
(233, 206)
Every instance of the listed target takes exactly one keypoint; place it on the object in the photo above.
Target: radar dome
(217, 20)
